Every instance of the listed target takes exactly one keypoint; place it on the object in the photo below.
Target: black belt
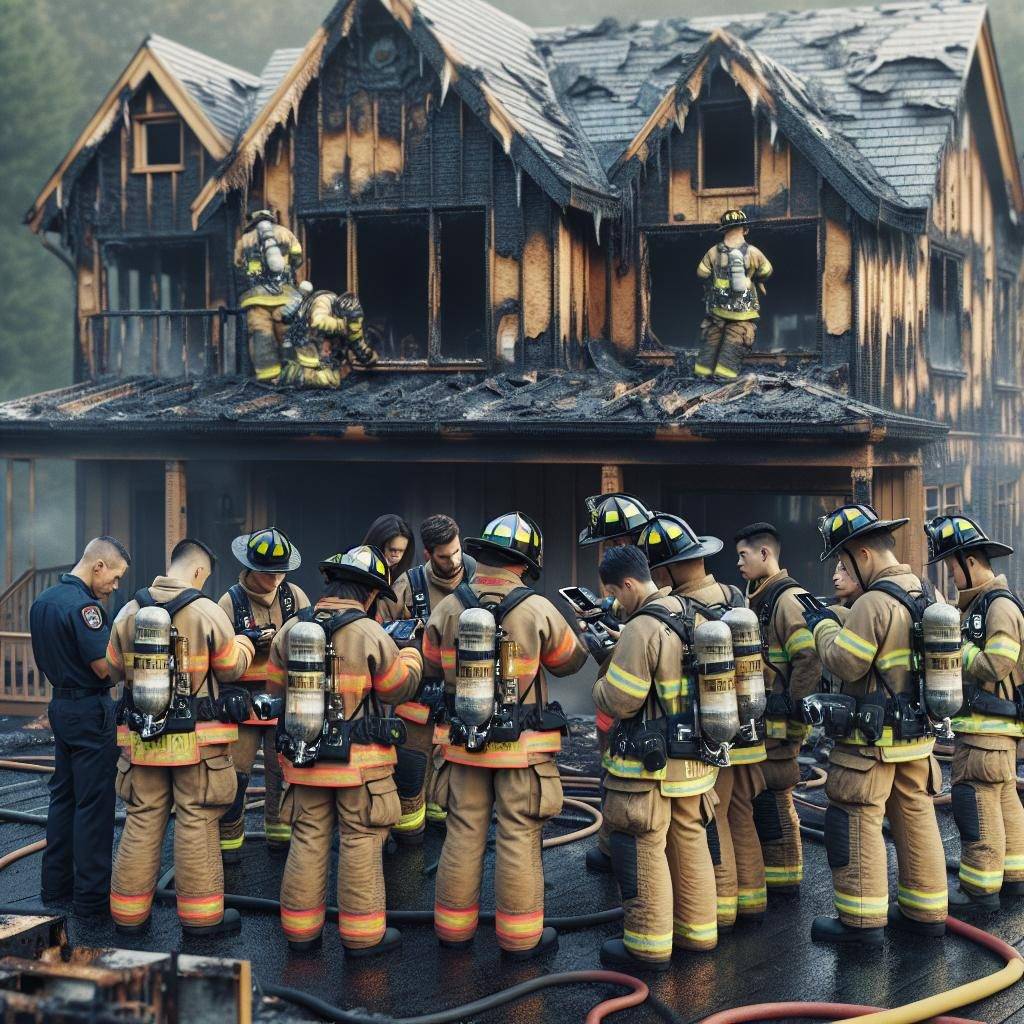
(78, 692)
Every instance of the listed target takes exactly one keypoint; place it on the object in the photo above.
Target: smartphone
(580, 598)
(401, 629)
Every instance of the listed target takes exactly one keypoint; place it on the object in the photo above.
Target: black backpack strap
(419, 594)
(146, 599)
(464, 592)
(340, 619)
(915, 607)
(678, 624)
(766, 616)
(241, 608)
(286, 598)
(510, 601)
(733, 596)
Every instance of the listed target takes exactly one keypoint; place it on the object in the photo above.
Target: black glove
(233, 705)
(266, 707)
(260, 638)
(593, 643)
(813, 616)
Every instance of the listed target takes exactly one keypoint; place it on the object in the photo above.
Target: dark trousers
(80, 821)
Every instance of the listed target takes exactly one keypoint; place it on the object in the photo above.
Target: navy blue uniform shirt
(69, 630)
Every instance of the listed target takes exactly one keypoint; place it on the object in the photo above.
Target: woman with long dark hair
(391, 535)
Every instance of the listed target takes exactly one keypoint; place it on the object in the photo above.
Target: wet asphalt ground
(774, 961)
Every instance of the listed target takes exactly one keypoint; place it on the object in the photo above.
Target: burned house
(521, 212)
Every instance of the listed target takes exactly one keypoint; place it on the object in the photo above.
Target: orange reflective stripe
(412, 711)
(431, 652)
(356, 683)
(113, 657)
(276, 673)
(395, 676)
(448, 658)
(603, 722)
(362, 927)
(518, 927)
(208, 733)
(130, 909)
(303, 924)
(562, 652)
(223, 657)
(503, 755)
(526, 668)
(340, 774)
(456, 925)
(201, 909)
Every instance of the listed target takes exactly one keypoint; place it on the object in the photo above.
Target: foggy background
(58, 58)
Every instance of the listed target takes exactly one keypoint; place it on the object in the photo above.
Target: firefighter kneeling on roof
(174, 648)
(490, 639)
(336, 667)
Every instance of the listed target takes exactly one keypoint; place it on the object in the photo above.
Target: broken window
(394, 269)
(728, 137)
(789, 304)
(327, 255)
(945, 307)
(158, 143)
(1006, 510)
(1007, 345)
(463, 274)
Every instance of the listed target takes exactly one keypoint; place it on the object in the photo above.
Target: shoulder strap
(984, 602)
(286, 598)
(241, 608)
(464, 592)
(510, 601)
(146, 599)
(733, 596)
(419, 593)
(766, 615)
(677, 623)
(340, 619)
(914, 605)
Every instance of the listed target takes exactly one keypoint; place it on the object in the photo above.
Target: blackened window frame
(1007, 335)
(719, 106)
(939, 359)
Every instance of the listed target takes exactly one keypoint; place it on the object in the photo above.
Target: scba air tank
(474, 677)
(716, 681)
(151, 672)
(943, 681)
(751, 698)
(305, 699)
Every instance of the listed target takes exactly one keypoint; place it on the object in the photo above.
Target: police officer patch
(92, 616)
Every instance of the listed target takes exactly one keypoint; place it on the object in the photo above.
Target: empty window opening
(158, 144)
(1007, 345)
(463, 320)
(327, 255)
(393, 270)
(728, 137)
(789, 304)
(945, 306)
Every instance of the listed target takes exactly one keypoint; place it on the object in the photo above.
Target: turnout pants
(659, 851)
(988, 812)
(364, 815)
(252, 739)
(438, 776)
(524, 798)
(412, 775)
(266, 332)
(80, 819)
(739, 867)
(723, 344)
(199, 794)
(861, 790)
(775, 817)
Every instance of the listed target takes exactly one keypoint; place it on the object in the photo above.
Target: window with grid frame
(942, 500)
(945, 311)
(1006, 510)
(1007, 331)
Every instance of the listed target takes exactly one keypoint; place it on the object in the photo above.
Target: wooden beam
(32, 513)
(175, 504)
(9, 525)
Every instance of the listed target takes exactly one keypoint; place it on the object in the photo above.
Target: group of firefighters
(388, 705)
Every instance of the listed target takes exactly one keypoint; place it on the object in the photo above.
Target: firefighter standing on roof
(518, 774)
(794, 672)
(422, 773)
(986, 807)
(258, 605)
(733, 272)
(338, 753)
(189, 770)
(879, 765)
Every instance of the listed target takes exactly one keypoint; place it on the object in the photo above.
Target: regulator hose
(638, 993)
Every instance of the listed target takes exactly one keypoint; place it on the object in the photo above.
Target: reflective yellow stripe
(986, 881)
(777, 656)
(340, 774)
(413, 711)
(513, 754)
(277, 832)
(412, 821)
(707, 932)
(748, 755)
(970, 652)
(921, 900)
(725, 371)
(980, 725)
(701, 371)
(752, 899)
(861, 906)
(1013, 862)
(642, 942)
(777, 875)
(435, 812)
(628, 683)
(699, 779)
(901, 657)
(691, 787)
(907, 750)
(671, 689)
(855, 645)
(232, 844)
(1004, 646)
(303, 924)
(801, 640)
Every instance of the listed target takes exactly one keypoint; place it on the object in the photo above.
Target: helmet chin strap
(966, 571)
(856, 568)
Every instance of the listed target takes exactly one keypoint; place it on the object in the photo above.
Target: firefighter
(188, 764)
(657, 816)
(422, 775)
(517, 773)
(676, 554)
(615, 520)
(350, 779)
(794, 671)
(882, 761)
(733, 272)
(988, 813)
(258, 605)
(267, 254)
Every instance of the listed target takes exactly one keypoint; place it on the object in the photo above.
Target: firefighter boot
(229, 924)
(392, 940)
(928, 929)
(831, 929)
(963, 902)
(548, 944)
(614, 954)
(598, 861)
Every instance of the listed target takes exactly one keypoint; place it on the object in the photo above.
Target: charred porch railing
(166, 342)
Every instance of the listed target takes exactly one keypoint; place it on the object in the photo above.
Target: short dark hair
(980, 555)
(106, 545)
(189, 547)
(437, 530)
(623, 563)
(347, 590)
(756, 531)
